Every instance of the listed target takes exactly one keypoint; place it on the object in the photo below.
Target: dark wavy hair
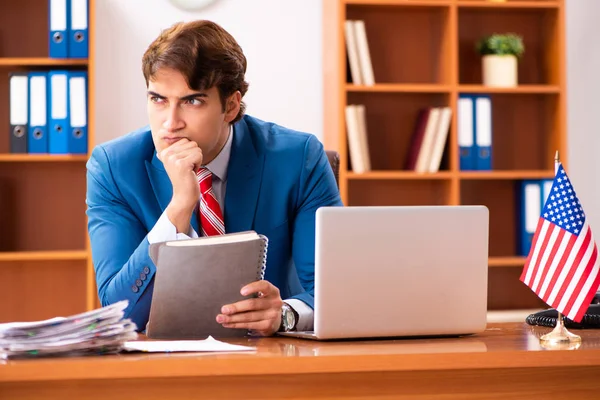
(205, 54)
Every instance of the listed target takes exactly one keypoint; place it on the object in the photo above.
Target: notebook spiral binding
(262, 261)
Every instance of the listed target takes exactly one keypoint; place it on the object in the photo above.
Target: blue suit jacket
(277, 179)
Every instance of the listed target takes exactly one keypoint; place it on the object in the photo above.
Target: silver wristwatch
(289, 319)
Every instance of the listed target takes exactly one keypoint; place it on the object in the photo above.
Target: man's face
(175, 111)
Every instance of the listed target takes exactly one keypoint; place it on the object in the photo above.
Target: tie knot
(204, 179)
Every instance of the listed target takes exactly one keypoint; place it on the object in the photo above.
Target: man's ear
(232, 107)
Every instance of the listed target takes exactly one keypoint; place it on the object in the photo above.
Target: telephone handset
(591, 319)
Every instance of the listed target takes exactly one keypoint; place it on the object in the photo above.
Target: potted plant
(500, 54)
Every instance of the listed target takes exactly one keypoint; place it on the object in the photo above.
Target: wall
(583, 104)
(281, 40)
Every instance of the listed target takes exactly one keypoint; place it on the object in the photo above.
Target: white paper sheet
(166, 346)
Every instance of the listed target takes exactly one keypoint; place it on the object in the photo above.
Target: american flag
(562, 267)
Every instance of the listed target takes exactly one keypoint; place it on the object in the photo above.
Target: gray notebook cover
(192, 283)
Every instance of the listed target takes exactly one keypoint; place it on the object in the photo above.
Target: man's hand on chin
(262, 314)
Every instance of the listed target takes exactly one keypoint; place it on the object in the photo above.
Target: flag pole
(560, 337)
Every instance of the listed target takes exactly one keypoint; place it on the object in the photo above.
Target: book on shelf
(358, 53)
(429, 140)
(358, 143)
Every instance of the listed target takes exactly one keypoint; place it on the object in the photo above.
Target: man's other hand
(261, 314)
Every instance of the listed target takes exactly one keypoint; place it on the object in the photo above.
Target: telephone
(591, 319)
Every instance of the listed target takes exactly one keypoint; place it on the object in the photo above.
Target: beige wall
(283, 44)
(583, 104)
(281, 39)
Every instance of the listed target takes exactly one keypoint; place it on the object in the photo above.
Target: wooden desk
(505, 362)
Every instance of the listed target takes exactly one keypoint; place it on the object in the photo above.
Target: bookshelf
(45, 267)
(423, 55)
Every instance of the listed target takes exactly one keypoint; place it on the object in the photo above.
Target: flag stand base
(560, 338)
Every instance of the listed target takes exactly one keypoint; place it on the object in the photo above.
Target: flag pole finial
(556, 159)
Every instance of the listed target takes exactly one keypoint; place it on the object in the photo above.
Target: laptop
(399, 271)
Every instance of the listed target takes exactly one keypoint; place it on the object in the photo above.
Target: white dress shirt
(164, 229)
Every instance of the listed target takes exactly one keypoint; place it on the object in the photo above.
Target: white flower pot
(499, 70)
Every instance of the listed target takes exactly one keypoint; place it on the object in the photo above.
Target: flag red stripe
(587, 269)
(531, 253)
(545, 237)
(576, 264)
(590, 294)
(545, 294)
(571, 252)
(579, 264)
(557, 243)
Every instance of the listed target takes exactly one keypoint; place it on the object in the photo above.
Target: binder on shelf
(37, 132)
(466, 132)
(77, 115)
(19, 111)
(483, 132)
(546, 188)
(58, 16)
(78, 29)
(58, 106)
(531, 201)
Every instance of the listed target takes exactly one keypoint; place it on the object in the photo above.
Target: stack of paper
(100, 331)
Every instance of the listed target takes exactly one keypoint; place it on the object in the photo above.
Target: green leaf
(501, 44)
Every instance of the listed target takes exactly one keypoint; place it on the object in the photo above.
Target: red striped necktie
(211, 218)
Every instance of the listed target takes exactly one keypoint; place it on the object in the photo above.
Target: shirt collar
(218, 166)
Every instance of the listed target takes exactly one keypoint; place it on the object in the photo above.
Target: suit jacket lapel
(243, 181)
(162, 187)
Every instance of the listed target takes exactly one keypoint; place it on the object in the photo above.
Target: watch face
(289, 318)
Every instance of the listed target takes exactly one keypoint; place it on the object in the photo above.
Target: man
(203, 167)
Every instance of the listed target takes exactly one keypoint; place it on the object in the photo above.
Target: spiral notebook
(196, 277)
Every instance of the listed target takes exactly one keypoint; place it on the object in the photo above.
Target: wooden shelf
(40, 61)
(438, 62)
(399, 88)
(506, 261)
(42, 158)
(521, 89)
(407, 3)
(376, 175)
(45, 260)
(43, 255)
(507, 4)
(524, 174)
(441, 88)
(466, 175)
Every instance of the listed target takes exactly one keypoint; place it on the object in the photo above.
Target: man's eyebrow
(151, 93)
(188, 97)
(193, 96)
